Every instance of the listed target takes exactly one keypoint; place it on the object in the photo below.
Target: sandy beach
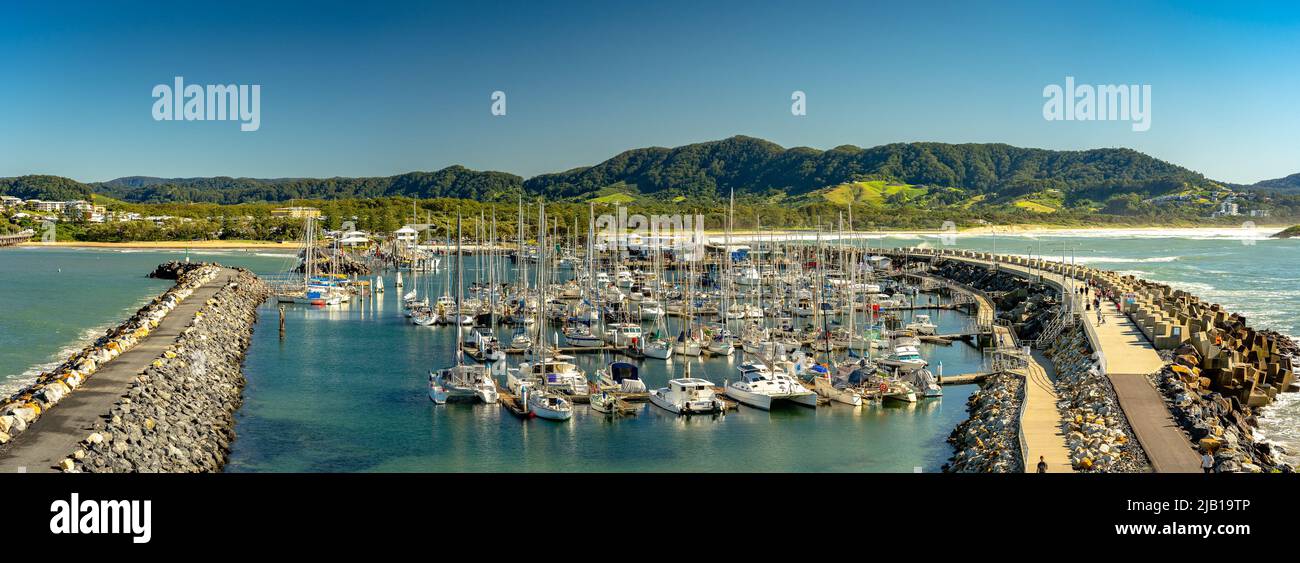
(181, 244)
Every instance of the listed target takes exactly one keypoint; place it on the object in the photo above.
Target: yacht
(483, 346)
(921, 325)
(549, 406)
(759, 387)
(555, 373)
(687, 395)
(463, 382)
(581, 337)
(686, 345)
(905, 358)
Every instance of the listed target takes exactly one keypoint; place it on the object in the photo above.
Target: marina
(329, 342)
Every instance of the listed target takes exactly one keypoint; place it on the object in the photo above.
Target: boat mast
(460, 288)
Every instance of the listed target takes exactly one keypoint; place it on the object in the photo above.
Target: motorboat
(905, 358)
(581, 337)
(924, 383)
(921, 325)
(688, 395)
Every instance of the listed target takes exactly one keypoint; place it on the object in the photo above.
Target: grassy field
(870, 192)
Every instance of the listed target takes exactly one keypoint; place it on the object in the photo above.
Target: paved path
(1128, 358)
(56, 434)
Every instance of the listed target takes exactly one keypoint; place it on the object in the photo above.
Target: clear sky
(362, 89)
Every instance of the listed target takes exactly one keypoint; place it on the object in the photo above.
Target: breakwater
(178, 415)
(21, 409)
(989, 441)
(1214, 372)
(1096, 430)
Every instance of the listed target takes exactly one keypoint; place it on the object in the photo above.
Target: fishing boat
(760, 387)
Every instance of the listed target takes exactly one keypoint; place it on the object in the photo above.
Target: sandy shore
(182, 244)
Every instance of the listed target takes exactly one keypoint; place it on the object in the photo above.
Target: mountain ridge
(750, 166)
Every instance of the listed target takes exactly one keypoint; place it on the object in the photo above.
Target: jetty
(1040, 421)
(58, 432)
(1128, 359)
(15, 239)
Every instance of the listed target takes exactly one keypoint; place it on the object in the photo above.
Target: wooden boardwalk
(1040, 420)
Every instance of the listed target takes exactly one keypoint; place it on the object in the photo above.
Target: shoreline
(1261, 232)
(169, 245)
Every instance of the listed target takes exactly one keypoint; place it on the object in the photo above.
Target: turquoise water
(54, 301)
(345, 391)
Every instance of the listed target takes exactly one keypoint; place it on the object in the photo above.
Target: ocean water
(346, 389)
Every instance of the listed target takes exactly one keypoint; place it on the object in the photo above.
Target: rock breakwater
(989, 441)
(24, 407)
(1216, 422)
(178, 415)
(1096, 431)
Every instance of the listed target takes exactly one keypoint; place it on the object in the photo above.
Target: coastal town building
(296, 212)
(406, 236)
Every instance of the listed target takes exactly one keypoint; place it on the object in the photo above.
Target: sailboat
(467, 381)
(760, 387)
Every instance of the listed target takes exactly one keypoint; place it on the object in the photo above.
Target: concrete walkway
(1128, 358)
(58, 432)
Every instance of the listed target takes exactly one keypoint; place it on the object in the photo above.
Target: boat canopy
(623, 370)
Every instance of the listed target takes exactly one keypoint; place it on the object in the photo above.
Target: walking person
(1042, 465)
(1207, 461)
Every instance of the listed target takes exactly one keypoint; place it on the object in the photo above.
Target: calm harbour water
(346, 389)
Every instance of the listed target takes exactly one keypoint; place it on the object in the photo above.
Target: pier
(1128, 359)
(15, 240)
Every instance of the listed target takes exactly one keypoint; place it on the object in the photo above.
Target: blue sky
(353, 90)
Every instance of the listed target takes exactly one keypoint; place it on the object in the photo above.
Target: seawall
(1213, 371)
(178, 415)
(159, 392)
